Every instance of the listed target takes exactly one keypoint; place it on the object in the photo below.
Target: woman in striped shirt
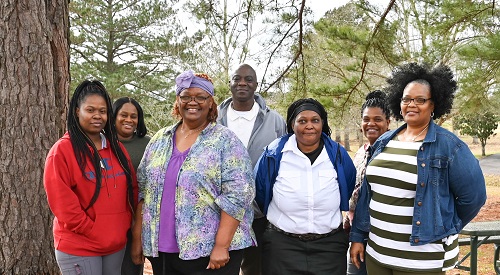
(422, 184)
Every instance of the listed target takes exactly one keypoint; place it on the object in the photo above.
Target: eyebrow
(303, 117)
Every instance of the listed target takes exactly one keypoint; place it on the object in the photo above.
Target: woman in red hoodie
(91, 187)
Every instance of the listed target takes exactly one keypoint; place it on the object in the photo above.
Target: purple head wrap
(188, 79)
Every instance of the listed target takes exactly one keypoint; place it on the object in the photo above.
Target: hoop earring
(432, 114)
(401, 112)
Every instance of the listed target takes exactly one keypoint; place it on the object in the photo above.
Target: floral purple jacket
(216, 176)
(359, 160)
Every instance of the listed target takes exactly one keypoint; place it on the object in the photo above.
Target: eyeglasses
(417, 100)
(198, 99)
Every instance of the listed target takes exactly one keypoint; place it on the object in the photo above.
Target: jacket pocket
(109, 232)
(438, 170)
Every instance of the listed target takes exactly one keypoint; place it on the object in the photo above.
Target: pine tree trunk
(34, 82)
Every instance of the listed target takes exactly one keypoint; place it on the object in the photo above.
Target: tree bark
(338, 137)
(347, 144)
(34, 83)
(475, 140)
(359, 137)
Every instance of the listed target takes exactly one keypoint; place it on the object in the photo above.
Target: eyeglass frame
(198, 99)
(415, 100)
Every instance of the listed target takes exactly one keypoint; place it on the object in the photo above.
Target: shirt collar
(291, 145)
(232, 114)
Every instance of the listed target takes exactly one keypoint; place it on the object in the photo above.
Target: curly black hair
(440, 80)
(293, 111)
(376, 99)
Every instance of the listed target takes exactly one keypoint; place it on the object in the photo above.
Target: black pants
(128, 267)
(282, 254)
(171, 264)
(252, 262)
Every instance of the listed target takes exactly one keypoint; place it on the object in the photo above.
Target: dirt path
(489, 212)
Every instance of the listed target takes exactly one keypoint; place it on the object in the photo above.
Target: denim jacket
(450, 188)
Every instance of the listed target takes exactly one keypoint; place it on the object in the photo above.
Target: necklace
(415, 137)
(201, 127)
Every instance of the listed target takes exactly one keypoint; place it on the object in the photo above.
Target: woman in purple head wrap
(195, 190)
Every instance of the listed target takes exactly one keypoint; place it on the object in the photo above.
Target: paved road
(490, 165)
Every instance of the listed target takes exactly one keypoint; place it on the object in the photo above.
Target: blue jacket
(267, 168)
(450, 188)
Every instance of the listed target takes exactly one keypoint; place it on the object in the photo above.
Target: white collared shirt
(306, 198)
(242, 122)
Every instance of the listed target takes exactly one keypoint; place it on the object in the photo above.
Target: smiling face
(307, 128)
(126, 121)
(243, 84)
(417, 115)
(92, 115)
(374, 123)
(192, 110)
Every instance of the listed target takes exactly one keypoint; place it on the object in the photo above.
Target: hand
(347, 224)
(136, 250)
(218, 258)
(357, 249)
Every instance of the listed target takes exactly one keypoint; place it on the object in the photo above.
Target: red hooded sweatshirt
(102, 229)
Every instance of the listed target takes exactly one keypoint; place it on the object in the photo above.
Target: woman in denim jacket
(422, 184)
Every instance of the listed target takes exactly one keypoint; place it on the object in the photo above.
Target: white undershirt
(306, 198)
(103, 141)
(242, 122)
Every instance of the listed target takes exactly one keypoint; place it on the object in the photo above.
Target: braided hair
(84, 148)
(376, 99)
(294, 109)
